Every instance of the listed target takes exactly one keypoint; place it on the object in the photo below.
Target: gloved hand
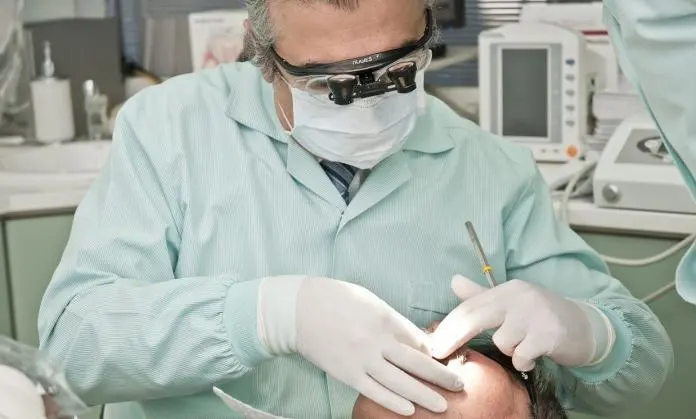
(531, 322)
(355, 337)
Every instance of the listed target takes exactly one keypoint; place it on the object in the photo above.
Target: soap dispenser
(52, 104)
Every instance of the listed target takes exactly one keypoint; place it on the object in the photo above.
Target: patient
(494, 390)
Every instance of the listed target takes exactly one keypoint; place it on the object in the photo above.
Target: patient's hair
(540, 386)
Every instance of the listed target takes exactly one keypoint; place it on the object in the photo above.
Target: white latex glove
(531, 321)
(355, 337)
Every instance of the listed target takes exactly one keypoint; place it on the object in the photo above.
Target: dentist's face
(314, 32)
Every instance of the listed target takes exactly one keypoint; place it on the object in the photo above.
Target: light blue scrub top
(655, 41)
(154, 301)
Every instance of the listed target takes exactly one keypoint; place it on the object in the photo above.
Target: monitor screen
(449, 13)
(525, 92)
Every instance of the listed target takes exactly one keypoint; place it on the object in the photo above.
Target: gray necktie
(341, 176)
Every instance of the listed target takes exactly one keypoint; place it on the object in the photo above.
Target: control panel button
(570, 108)
(570, 123)
(611, 193)
(570, 77)
(571, 151)
(570, 92)
(570, 61)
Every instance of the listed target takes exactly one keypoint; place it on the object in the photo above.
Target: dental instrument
(487, 269)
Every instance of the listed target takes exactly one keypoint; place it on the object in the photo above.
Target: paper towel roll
(53, 112)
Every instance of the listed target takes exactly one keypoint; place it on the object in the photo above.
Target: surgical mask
(360, 134)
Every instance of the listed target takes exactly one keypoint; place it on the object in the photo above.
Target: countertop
(36, 203)
(584, 215)
(23, 194)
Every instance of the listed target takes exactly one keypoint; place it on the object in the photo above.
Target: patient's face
(490, 393)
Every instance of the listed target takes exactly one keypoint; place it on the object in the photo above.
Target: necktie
(341, 176)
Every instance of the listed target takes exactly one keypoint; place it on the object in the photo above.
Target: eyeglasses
(365, 76)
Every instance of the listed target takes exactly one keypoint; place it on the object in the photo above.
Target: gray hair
(259, 40)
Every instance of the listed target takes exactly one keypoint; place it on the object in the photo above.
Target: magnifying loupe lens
(342, 87)
(404, 76)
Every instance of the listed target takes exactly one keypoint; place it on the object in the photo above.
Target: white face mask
(360, 134)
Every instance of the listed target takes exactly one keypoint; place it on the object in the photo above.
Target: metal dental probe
(487, 269)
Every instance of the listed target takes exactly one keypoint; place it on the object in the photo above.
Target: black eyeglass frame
(362, 64)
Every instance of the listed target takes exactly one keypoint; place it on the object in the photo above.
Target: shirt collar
(251, 100)
(432, 133)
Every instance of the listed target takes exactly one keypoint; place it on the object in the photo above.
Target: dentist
(284, 229)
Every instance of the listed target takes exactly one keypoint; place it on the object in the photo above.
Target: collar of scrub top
(367, 63)
(251, 104)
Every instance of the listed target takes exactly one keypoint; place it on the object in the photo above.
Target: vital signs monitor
(533, 88)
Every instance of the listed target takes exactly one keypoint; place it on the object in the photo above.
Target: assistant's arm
(543, 250)
(115, 314)
(654, 41)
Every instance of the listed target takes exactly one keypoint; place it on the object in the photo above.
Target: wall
(40, 10)
(464, 100)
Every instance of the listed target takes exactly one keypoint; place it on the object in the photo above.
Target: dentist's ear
(247, 25)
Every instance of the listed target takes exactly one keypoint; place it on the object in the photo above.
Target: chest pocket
(429, 302)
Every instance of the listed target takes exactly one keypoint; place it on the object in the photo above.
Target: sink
(58, 166)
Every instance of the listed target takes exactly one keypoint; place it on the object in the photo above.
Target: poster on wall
(216, 37)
